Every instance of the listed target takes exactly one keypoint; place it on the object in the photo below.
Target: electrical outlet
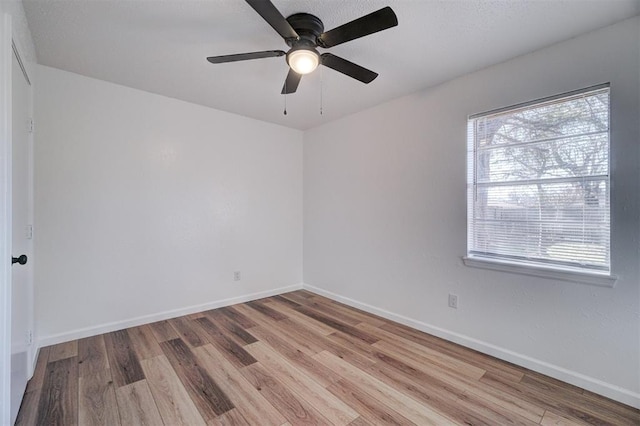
(453, 301)
(236, 276)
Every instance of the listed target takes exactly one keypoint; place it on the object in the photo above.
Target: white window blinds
(538, 183)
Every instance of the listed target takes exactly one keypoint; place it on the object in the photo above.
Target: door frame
(6, 50)
(10, 46)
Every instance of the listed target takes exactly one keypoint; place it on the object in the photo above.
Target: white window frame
(504, 264)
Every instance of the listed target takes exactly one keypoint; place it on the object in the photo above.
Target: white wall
(385, 219)
(145, 206)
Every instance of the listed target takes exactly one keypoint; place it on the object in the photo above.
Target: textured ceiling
(160, 47)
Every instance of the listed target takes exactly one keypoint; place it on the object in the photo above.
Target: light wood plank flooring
(294, 359)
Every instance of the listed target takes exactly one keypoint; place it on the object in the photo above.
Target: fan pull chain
(321, 90)
(285, 97)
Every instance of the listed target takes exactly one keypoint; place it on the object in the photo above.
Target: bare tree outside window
(539, 177)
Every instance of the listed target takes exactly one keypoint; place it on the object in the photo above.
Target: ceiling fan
(304, 33)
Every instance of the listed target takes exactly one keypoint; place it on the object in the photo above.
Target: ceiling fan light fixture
(304, 33)
(303, 61)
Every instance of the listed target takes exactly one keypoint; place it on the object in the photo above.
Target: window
(538, 184)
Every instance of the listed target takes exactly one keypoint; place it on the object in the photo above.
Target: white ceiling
(160, 47)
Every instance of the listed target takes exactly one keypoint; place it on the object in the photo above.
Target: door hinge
(29, 337)
(30, 125)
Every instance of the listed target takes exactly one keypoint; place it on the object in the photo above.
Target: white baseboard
(35, 351)
(145, 319)
(589, 383)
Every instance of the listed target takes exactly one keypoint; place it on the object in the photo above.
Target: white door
(21, 241)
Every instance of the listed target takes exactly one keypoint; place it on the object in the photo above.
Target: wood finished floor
(294, 359)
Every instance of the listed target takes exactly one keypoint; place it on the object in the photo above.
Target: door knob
(21, 260)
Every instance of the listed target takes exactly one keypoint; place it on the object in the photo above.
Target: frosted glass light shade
(303, 61)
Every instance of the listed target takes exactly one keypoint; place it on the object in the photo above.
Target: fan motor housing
(308, 27)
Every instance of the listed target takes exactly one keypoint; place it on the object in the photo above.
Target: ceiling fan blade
(269, 13)
(291, 83)
(348, 68)
(372, 23)
(245, 56)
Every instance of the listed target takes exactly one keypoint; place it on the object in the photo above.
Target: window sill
(556, 274)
